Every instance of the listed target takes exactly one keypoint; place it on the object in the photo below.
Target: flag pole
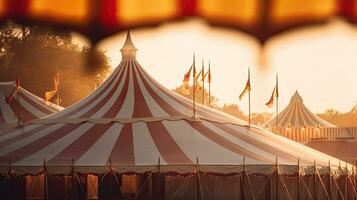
(249, 98)
(203, 82)
(277, 104)
(194, 87)
(18, 98)
(209, 84)
(58, 89)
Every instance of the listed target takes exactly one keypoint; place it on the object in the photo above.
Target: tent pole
(298, 169)
(242, 180)
(329, 178)
(277, 178)
(46, 178)
(200, 193)
(315, 183)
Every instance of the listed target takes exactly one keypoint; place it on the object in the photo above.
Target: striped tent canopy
(297, 115)
(131, 121)
(24, 104)
(100, 18)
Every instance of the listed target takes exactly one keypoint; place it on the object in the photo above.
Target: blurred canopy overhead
(100, 18)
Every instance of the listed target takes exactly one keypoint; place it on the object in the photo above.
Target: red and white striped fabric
(297, 115)
(132, 120)
(24, 104)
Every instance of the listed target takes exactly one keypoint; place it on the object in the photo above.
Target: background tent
(24, 105)
(297, 115)
(100, 18)
(139, 137)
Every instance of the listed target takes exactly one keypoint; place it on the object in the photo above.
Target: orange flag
(186, 77)
(14, 91)
(50, 94)
(274, 95)
(246, 89)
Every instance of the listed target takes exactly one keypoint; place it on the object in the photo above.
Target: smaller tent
(297, 115)
(24, 105)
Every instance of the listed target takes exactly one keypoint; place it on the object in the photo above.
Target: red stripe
(108, 14)
(268, 148)
(187, 7)
(25, 115)
(163, 104)
(115, 108)
(214, 137)
(166, 145)
(82, 106)
(38, 144)
(35, 104)
(17, 8)
(123, 151)
(174, 98)
(100, 105)
(23, 135)
(81, 145)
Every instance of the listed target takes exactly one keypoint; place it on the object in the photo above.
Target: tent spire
(128, 50)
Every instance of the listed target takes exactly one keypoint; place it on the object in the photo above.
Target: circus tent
(24, 104)
(297, 115)
(132, 124)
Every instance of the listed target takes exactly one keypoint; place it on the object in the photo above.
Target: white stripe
(208, 112)
(94, 94)
(18, 131)
(39, 101)
(99, 152)
(108, 105)
(153, 106)
(21, 143)
(242, 144)
(51, 150)
(194, 145)
(127, 108)
(145, 150)
(97, 100)
(8, 114)
(36, 112)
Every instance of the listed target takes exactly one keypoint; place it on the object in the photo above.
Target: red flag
(274, 95)
(209, 78)
(186, 77)
(247, 89)
(14, 91)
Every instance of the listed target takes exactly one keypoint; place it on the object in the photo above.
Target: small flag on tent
(197, 84)
(246, 89)
(274, 95)
(50, 94)
(14, 91)
(186, 77)
(208, 74)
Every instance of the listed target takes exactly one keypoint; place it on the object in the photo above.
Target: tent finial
(128, 50)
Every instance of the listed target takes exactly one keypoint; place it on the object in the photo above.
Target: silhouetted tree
(35, 52)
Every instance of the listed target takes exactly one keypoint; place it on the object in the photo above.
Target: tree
(36, 52)
(187, 92)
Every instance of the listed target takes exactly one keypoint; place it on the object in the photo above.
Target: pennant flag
(14, 91)
(209, 78)
(186, 77)
(274, 95)
(49, 95)
(198, 75)
(246, 89)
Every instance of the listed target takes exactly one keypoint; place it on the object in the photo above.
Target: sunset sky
(318, 61)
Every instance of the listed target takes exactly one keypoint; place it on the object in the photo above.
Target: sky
(318, 61)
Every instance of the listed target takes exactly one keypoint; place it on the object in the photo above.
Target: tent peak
(128, 50)
(296, 97)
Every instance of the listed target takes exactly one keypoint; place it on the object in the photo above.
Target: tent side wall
(199, 182)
